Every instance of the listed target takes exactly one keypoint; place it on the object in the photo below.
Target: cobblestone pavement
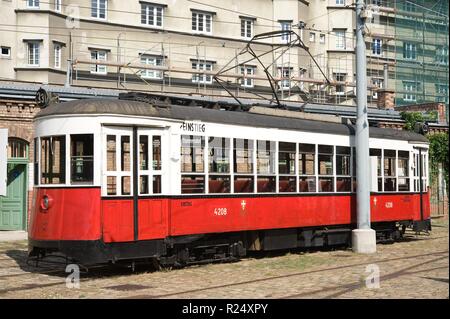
(417, 267)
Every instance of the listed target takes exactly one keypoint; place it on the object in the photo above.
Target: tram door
(132, 175)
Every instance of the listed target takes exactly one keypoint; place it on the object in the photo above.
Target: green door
(13, 206)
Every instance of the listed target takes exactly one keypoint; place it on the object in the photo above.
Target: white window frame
(247, 70)
(340, 39)
(33, 4)
(98, 11)
(204, 66)
(152, 10)
(322, 38)
(377, 47)
(337, 76)
(285, 25)
(442, 55)
(410, 91)
(340, 2)
(34, 59)
(409, 51)
(205, 16)
(152, 61)
(58, 5)
(57, 52)
(5, 55)
(245, 25)
(379, 83)
(312, 37)
(285, 72)
(98, 68)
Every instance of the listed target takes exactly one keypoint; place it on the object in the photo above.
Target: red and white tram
(125, 180)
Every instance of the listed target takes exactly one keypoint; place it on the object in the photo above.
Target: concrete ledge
(364, 241)
(13, 235)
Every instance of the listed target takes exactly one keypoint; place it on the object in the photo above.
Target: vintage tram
(123, 179)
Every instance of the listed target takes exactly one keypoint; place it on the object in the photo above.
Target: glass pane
(243, 156)
(389, 163)
(266, 184)
(306, 159)
(192, 184)
(219, 155)
(219, 184)
(342, 164)
(111, 185)
(403, 184)
(266, 157)
(157, 184)
(287, 184)
(243, 184)
(143, 152)
(82, 158)
(143, 184)
(157, 153)
(326, 184)
(111, 152)
(307, 184)
(126, 153)
(390, 184)
(192, 153)
(343, 184)
(126, 185)
(286, 158)
(53, 160)
(325, 164)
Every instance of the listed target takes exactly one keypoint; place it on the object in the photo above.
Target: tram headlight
(46, 202)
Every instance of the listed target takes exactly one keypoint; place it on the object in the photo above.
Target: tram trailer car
(120, 180)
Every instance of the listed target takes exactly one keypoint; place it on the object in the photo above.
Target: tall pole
(363, 238)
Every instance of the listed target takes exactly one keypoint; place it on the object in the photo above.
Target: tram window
(219, 155)
(389, 171)
(307, 184)
(143, 154)
(243, 156)
(306, 159)
(265, 157)
(36, 162)
(343, 184)
(156, 152)
(126, 185)
(192, 184)
(156, 184)
(287, 184)
(377, 152)
(126, 153)
(403, 170)
(82, 158)
(326, 184)
(354, 169)
(192, 154)
(266, 184)
(343, 181)
(143, 185)
(111, 152)
(218, 184)
(243, 184)
(53, 160)
(111, 185)
(286, 158)
(325, 159)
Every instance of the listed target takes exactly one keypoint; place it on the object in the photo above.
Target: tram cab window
(306, 167)
(192, 164)
(343, 179)
(403, 171)
(325, 162)
(81, 158)
(53, 160)
(243, 165)
(219, 165)
(377, 152)
(389, 171)
(286, 167)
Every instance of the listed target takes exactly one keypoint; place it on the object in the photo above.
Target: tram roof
(190, 113)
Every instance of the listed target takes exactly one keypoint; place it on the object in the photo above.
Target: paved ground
(417, 267)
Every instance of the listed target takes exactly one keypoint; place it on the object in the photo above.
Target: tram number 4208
(222, 211)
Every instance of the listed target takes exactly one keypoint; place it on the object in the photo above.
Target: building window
(33, 4)
(376, 46)
(151, 61)
(97, 55)
(442, 93)
(322, 38)
(410, 89)
(202, 78)
(340, 39)
(247, 28)
(58, 5)
(285, 74)
(378, 83)
(6, 52)
(33, 53)
(99, 8)
(340, 2)
(152, 15)
(442, 55)
(340, 77)
(247, 70)
(57, 56)
(285, 26)
(312, 37)
(409, 51)
(377, 2)
(202, 22)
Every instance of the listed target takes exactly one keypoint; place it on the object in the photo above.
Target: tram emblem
(243, 204)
